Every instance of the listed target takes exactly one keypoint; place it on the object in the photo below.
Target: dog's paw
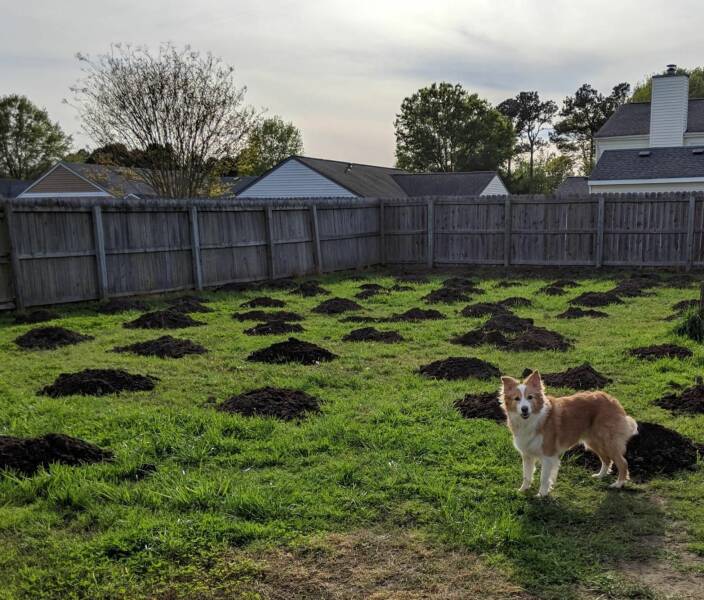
(617, 485)
(524, 488)
(542, 494)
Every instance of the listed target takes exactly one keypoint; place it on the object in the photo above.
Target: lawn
(389, 490)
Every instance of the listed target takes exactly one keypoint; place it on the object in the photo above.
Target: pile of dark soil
(28, 455)
(260, 315)
(278, 284)
(189, 298)
(274, 328)
(310, 288)
(292, 350)
(272, 402)
(507, 323)
(509, 332)
(49, 338)
(372, 286)
(412, 278)
(481, 406)
(120, 305)
(685, 305)
(459, 367)
(660, 351)
(41, 315)
(507, 283)
(537, 338)
(632, 288)
(563, 283)
(583, 377)
(552, 290)
(189, 305)
(417, 314)
(515, 302)
(369, 334)
(97, 382)
(369, 293)
(363, 319)
(163, 347)
(446, 295)
(596, 299)
(482, 309)
(681, 281)
(479, 337)
(575, 313)
(396, 287)
(263, 302)
(336, 306)
(462, 283)
(238, 286)
(690, 400)
(163, 319)
(655, 450)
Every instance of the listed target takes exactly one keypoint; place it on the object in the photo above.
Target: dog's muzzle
(525, 412)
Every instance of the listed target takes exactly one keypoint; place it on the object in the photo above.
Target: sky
(339, 69)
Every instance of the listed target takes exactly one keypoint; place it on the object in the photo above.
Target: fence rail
(64, 250)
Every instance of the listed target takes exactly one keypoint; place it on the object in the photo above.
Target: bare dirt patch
(163, 347)
(481, 406)
(336, 306)
(50, 338)
(660, 351)
(368, 293)
(596, 299)
(538, 338)
(274, 328)
(689, 401)
(28, 455)
(583, 377)
(260, 315)
(508, 323)
(369, 334)
(482, 309)
(459, 367)
(311, 288)
(120, 305)
(98, 382)
(41, 315)
(272, 402)
(189, 305)
(263, 302)
(446, 295)
(574, 312)
(510, 332)
(418, 314)
(462, 283)
(292, 350)
(163, 319)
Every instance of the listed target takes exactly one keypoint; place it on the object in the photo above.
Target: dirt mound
(372, 286)
(482, 309)
(189, 298)
(462, 283)
(481, 406)
(163, 319)
(680, 281)
(478, 337)
(690, 400)
(292, 350)
(583, 377)
(510, 332)
(163, 347)
(97, 382)
(458, 367)
(40, 315)
(655, 450)
(49, 338)
(507, 323)
(562, 283)
(274, 328)
(189, 305)
(417, 314)
(515, 302)
(400, 288)
(507, 283)
(263, 302)
(446, 295)
(28, 455)
(260, 315)
(272, 402)
(685, 305)
(278, 284)
(660, 351)
(552, 290)
(537, 338)
(366, 294)
(336, 306)
(575, 313)
(238, 286)
(362, 319)
(630, 289)
(411, 278)
(596, 299)
(308, 289)
(120, 305)
(369, 334)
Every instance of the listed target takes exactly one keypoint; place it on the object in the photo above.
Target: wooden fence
(67, 250)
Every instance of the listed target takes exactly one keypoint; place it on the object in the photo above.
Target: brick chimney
(668, 108)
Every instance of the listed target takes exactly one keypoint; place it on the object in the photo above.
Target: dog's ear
(534, 380)
(508, 382)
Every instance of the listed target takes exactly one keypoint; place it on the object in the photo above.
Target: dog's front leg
(548, 474)
(528, 471)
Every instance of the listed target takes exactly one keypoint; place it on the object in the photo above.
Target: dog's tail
(633, 425)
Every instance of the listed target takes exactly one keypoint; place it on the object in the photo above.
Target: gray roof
(236, 184)
(11, 188)
(634, 119)
(444, 184)
(573, 186)
(660, 163)
(118, 181)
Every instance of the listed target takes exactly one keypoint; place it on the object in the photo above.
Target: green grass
(388, 451)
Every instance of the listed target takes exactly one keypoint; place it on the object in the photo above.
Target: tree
(643, 90)
(549, 170)
(29, 141)
(181, 109)
(529, 116)
(270, 142)
(445, 128)
(582, 116)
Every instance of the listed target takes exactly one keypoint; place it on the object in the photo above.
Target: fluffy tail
(633, 425)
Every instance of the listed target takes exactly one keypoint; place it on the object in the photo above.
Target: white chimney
(668, 108)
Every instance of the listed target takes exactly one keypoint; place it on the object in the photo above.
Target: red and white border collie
(544, 427)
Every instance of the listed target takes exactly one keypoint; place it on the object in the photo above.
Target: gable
(63, 182)
(496, 187)
(292, 179)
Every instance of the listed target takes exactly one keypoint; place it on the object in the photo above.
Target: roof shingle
(659, 163)
(634, 119)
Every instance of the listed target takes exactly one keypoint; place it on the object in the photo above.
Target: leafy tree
(445, 128)
(529, 116)
(180, 108)
(29, 141)
(270, 142)
(643, 90)
(582, 116)
(549, 170)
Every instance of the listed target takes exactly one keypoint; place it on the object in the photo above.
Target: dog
(544, 427)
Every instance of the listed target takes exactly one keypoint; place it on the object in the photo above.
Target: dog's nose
(524, 410)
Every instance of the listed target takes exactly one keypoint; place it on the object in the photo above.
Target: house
(72, 180)
(11, 188)
(573, 186)
(655, 146)
(305, 177)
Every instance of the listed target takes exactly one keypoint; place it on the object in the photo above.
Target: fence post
(195, 248)
(508, 219)
(430, 218)
(317, 256)
(100, 260)
(14, 256)
(382, 234)
(599, 243)
(690, 231)
(268, 219)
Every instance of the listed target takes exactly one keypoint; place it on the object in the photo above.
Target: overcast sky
(339, 69)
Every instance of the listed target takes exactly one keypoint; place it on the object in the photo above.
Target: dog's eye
(517, 398)
(530, 396)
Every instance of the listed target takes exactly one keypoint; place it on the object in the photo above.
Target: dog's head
(522, 399)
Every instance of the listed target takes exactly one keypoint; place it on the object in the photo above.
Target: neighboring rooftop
(444, 184)
(573, 186)
(10, 188)
(633, 118)
(650, 163)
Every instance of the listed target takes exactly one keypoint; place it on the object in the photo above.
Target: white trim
(645, 181)
(27, 194)
(632, 136)
(97, 194)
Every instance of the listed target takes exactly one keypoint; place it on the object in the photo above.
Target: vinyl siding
(668, 113)
(495, 187)
(621, 143)
(647, 187)
(694, 139)
(295, 180)
(62, 181)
